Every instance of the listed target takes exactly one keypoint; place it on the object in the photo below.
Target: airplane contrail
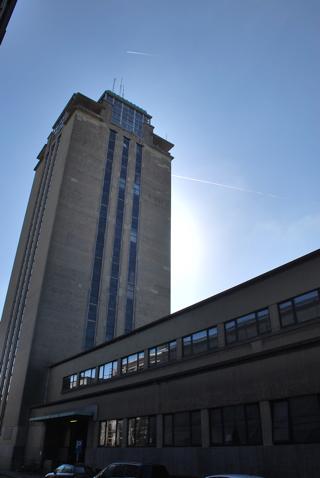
(226, 186)
(143, 53)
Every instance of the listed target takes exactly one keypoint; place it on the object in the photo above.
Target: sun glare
(187, 249)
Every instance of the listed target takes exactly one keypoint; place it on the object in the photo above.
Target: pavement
(19, 474)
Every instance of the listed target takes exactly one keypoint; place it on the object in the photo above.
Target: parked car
(71, 471)
(221, 475)
(133, 470)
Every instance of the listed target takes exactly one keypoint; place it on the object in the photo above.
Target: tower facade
(93, 261)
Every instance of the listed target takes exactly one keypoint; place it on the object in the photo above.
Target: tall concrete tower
(93, 261)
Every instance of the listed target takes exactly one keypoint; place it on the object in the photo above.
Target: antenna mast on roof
(114, 84)
(120, 88)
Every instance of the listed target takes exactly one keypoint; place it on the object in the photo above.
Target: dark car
(71, 471)
(133, 470)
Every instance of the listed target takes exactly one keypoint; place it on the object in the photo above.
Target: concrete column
(266, 422)
(125, 433)
(274, 317)
(205, 428)
(146, 359)
(159, 440)
(221, 336)
(35, 442)
(179, 349)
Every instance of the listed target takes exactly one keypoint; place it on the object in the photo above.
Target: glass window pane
(240, 429)
(105, 371)
(119, 436)
(186, 343)
(114, 368)
(173, 350)
(307, 306)
(111, 433)
(234, 425)
(199, 342)
(102, 438)
(141, 431)
(230, 330)
(305, 416)
(124, 365)
(131, 432)
(286, 312)
(196, 428)
(152, 433)
(168, 430)
(152, 357)
(216, 426)
(281, 422)
(162, 353)
(140, 361)
(213, 337)
(132, 363)
(263, 319)
(253, 424)
(247, 327)
(182, 429)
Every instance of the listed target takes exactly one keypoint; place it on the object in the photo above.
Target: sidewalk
(19, 474)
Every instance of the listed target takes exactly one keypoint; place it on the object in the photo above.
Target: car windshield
(122, 471)
(64, 469)
(79, 469)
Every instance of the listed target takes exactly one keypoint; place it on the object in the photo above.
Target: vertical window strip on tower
(115, 264)
(97, 264)
(129, 317)
(13, 332)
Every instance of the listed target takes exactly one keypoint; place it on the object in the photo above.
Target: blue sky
(233, 83)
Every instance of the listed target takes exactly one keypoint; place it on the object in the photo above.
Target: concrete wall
(277, 365)
(54, 311)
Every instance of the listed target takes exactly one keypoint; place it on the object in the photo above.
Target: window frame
(149, 418)
(294, 307)
(246, 421)
(72, 387)
(288, 401)
(170, 353)
(236, 327)
(190, 427)
(190, 337)
(140, 360)
(86, 380)
(118, 422)
(113, 375)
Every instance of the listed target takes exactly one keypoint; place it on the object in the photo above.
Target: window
(182, 429)
(296, 420)
(133, 363)
(129, 118)
(97, 264)
(163, 353)
(300, 309)
(87, 377)
(111, 433)
(142, 431)
(108, 370)
(70, 382)
(201, 341)
(235, 425)
(248, 326)
(115, 265)
(132, 263)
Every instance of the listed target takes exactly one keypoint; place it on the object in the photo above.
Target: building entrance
(65, 441)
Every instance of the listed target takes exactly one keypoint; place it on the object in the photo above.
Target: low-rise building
(228, 384)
